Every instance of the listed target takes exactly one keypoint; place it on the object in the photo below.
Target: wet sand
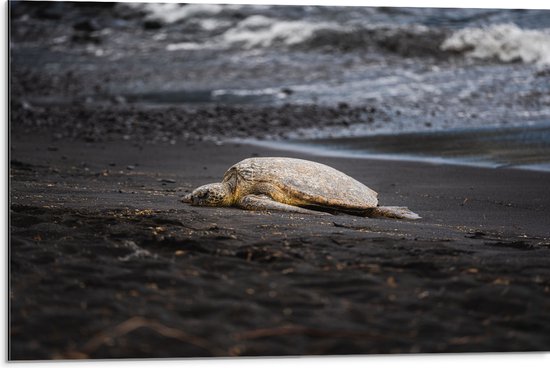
(105, 262)
(524, 147)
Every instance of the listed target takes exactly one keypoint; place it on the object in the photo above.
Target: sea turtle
(292, 185)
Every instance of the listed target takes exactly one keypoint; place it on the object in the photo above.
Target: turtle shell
(302, 183)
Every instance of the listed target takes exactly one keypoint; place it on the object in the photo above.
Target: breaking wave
(504, 42)
(258, 31)
(261, 31)
(246, 27)
(172, 12)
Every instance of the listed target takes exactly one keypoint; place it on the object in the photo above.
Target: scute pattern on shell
(303, 180)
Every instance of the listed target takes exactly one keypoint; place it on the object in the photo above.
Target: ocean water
(472, 85)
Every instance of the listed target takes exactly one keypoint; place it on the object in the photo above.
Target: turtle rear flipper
(393, 212)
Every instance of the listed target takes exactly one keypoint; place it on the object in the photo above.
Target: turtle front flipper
(393, 212)
(264, 203)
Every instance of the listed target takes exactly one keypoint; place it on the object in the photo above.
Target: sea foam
(505, 42)
(261, 31)
(171, 12)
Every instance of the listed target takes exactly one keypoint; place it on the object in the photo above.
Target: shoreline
(517, 147)
(315, 150)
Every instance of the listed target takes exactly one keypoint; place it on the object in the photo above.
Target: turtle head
(215, 194)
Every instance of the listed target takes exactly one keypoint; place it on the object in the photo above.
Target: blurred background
(459, 85)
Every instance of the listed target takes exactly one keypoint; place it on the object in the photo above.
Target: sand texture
(107, 263)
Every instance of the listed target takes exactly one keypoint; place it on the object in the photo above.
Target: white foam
(245, 92)
(505, 42)
(171, 12)
(185, 46)
(261, 31)
(211, 24)
(269, 92)
(257, 31)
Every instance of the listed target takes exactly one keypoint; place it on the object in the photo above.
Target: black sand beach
(106, 262)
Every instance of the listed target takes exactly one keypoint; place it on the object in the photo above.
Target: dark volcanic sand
(106, 263)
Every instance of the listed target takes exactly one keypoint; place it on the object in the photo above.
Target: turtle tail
(393, 212)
